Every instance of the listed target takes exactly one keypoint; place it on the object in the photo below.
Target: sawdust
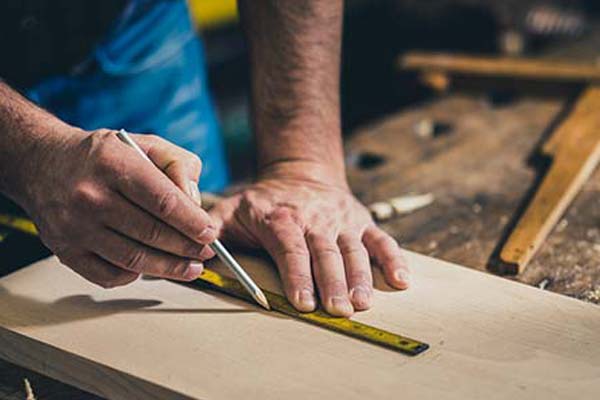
(592, 295)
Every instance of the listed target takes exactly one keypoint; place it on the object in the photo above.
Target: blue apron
(146, 76)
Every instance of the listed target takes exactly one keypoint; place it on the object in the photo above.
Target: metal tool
(216, 246)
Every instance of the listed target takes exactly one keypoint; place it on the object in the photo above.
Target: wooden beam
(500, 67)
(575, 151)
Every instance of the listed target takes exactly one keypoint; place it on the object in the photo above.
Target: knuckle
(334, 286)
(298, 278)
(167, 203)
(294, 248)
(252, 203)
(351, 246)
(384, 240)
(176, 268)
(359, 277)
(135, 261)
(154, 233)
(193, 249)
(280, 214)
(100, 137)
(195, 160)
(103, 149)
(322, 243)
(87, 194)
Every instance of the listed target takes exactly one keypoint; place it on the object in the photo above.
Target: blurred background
(375, 33)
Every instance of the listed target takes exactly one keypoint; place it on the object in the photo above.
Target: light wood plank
(508, 67)
(575, 151)
(491, 338)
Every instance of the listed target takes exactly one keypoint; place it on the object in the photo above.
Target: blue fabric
(146, 76)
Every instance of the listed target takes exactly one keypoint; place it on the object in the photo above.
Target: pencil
(223, 254)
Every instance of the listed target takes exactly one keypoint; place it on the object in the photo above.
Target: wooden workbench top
(156, 339)
(481, 165)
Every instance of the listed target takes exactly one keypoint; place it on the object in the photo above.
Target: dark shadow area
(365, 161)
(379, 282)
(502, 98)
(441, 128)
(18, 249)
(81, 307)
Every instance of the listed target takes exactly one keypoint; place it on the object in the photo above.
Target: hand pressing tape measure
(212, 280)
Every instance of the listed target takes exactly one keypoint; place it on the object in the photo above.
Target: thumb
(180, 165)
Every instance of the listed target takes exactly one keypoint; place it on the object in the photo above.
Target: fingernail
(206, 253)
(341, 306)
(360, 297)
(208, 235)
(194, 192)
(194, 270)
(306, 300)
(402, 276)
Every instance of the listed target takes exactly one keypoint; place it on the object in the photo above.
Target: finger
(358, 271)
(235, 222)
(386, 253)
(147, 229)
(143, 184)
(100, 272)
(140, 259)
(284, 240)
(182, 166)
(328, 269)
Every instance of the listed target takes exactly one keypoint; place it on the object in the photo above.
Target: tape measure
(212, 280)
(18, 223)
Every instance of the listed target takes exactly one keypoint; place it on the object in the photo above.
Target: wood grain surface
(483, 166)
(161, 340)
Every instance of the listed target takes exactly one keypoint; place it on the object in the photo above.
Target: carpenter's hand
(313, 230)
(110, 215)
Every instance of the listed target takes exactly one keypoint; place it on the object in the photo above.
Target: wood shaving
(28, 390)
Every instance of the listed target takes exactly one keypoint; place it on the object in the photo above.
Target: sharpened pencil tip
(262, 300)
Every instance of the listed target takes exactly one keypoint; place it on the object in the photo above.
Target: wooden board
(510, 67)
(575, 150)
(161, 340)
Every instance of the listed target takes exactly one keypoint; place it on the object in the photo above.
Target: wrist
(304, 170)
(31, 162)
(25, 130)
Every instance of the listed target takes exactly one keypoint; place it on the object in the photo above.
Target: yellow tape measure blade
(345, 326)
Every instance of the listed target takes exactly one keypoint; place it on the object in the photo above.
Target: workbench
(481, 166)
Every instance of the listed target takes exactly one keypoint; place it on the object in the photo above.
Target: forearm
(295, 61)
(24, 131)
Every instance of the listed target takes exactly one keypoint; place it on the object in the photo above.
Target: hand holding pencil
(110, 215)
(216, 246)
